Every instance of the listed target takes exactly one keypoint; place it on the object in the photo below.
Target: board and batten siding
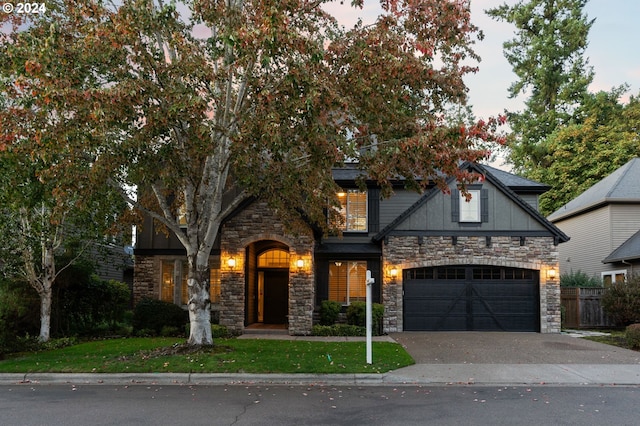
(503, 215)
(531, 199)
(590, 242)
(395, 205)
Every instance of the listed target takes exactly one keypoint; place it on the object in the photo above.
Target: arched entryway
(267, 283)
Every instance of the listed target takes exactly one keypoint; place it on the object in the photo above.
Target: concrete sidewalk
(441, 358)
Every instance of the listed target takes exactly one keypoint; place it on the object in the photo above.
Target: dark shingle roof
(621, 186)
(629, 250)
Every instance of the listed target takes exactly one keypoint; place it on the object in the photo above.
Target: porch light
(393, 272)
(300, 263)
(231, 262)
(551, 273)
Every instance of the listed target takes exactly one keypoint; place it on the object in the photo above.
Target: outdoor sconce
(300, 263)
(231, 262)
(551, 273)
(393, 272)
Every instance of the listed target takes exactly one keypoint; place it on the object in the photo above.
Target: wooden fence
(582, 308)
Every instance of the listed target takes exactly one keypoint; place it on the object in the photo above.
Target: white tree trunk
(199, 303)
(45, 316)
(44, 291)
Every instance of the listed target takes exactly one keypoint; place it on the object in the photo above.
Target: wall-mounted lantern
(393, 272)
(300, 263)
(231, 262)
(551, 273)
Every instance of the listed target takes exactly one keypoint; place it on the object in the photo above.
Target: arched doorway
(267, 283)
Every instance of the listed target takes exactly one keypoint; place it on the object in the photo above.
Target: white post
(370, 281)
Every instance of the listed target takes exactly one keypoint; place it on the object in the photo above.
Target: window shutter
(455, 205)
(484, 205)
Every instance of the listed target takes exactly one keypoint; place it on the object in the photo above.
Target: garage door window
(347, 281)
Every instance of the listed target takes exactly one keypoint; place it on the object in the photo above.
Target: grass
(168, 355)
(615, 338)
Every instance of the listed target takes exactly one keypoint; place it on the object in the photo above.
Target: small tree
(621, 301)
(579, 279)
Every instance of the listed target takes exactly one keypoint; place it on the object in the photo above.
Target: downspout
(624, 262)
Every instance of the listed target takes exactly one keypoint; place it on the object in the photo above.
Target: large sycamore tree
(206, 103)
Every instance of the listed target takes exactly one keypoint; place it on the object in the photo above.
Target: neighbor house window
(347, 281)
(353, 209)
(611, 277)
(470, 209)
(174, 272)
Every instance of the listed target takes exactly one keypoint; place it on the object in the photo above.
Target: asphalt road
(95, 405)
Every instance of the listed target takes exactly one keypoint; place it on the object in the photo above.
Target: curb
(188, 379)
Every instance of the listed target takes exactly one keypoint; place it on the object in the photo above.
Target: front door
(275, 296)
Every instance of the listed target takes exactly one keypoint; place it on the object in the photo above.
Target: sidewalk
(500, 359)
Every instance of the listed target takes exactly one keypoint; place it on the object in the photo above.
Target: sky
(613, 50)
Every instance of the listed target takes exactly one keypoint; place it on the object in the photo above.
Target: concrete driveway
(509, 348)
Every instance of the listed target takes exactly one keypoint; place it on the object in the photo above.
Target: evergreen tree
(547, 55)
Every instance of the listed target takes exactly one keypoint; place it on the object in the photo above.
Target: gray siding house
(439, 262)
(604, 225)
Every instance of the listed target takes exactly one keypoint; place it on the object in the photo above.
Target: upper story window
(470, 209)
(472, 212)
(353, 209)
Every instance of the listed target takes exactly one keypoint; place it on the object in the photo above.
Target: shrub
(338, 330)
(329, 312)
(151, 314)
(356, 315)
(621, 301)
(19, 314)
(217, 331)
(579, 279)
(170, 331)
(632, 335)
(84, 304)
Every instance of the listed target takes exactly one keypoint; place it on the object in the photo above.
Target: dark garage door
(471, 298)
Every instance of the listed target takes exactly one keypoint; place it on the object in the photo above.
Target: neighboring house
(439, 262)
(604, 225)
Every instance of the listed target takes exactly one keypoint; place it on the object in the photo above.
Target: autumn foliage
(203, 101)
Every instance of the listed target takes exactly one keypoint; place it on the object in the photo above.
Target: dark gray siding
(503, 215)
(394, 206)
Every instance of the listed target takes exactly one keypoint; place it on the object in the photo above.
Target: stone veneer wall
(145, 277)
(255, 223)
(405, 252)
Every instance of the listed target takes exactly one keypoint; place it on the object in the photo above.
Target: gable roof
(629, 250)
(488, 173)
(515, 182)
(621, 186)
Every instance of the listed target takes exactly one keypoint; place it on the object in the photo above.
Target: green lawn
(168, 355)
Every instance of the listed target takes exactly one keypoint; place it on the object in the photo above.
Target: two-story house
(604, 224)
(439, 262)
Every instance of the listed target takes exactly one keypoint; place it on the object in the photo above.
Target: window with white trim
(611, 277)
(470, 209)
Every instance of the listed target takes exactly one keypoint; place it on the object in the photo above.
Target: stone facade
(258, 223)
(535, 253)
(146, 278)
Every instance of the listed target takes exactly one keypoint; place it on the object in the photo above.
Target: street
(33, 404)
